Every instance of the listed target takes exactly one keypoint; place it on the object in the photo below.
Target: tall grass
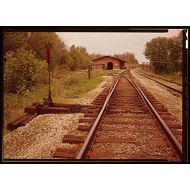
(65, 86)
(176, 77)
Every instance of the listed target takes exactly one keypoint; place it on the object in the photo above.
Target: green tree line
(165, 54)
(25, 59)
(128, 57)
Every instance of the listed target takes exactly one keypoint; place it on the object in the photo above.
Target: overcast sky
(111, 43)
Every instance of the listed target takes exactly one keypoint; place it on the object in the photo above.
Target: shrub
(21, 70)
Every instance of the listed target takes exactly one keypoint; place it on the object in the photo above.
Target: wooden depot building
(108, 63)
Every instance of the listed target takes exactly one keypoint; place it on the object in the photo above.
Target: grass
(176, 78)
(65, 86)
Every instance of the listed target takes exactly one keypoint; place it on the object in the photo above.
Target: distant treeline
(25, 59)
(165, 54)
(128, 57)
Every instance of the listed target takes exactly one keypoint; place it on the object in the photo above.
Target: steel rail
(169, 133)
(84, 149)
(160, 78)
(162, 83)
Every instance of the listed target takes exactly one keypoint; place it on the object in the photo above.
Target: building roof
(110, 57)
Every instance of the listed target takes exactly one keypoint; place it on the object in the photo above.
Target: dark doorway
(110, 66)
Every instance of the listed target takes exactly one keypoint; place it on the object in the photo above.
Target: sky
(111, 43)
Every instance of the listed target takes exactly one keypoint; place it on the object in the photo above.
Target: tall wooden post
(48, 46)
(89, 68)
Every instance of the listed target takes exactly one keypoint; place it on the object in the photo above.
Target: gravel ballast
(171, 102)
(39, 138)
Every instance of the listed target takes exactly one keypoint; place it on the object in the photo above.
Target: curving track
(124, 126)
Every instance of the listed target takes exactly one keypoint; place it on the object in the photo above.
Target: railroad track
(130, 125)
(171, 86)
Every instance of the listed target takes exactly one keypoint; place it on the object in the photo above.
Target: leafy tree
(75, 58)
(25, 59)
(66, 59)
(95, 56)
(175, 48)
(165, 54)
(21, 70)
(157, 52)
(128, 57)
(14, 40)
(37, 41)
(84, 58)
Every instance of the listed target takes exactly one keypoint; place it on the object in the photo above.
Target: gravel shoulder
(171, 102)
(173, 85)
(39, 138)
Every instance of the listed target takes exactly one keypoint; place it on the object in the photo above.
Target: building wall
(99, 67)
(105, 61)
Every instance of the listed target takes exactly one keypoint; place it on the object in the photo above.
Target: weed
(65, 86)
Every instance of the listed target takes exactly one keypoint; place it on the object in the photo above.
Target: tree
(21, 70)
(37, 41)
(76, 58)
(95, 56)
(157, 52)
(128, 57)
(175, 48)
(14, 40)
(165, 54)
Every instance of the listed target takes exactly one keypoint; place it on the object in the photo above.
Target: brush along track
(172, 87)
(127, 130)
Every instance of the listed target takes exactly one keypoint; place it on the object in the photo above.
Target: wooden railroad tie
(36, 109)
